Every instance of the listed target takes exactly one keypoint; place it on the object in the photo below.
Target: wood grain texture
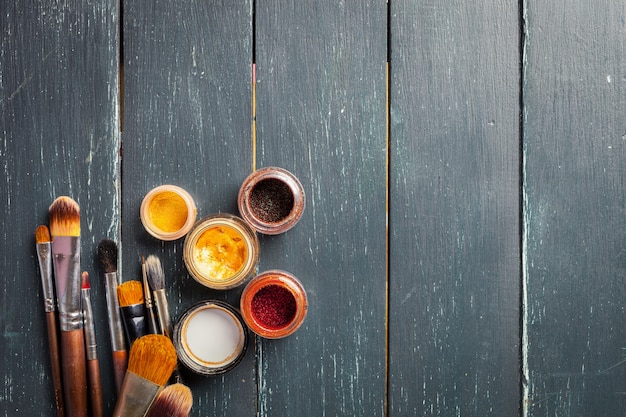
(418, 318)
(187, 116)
(454, 209)
(321, 115)
(575, 199)
(59, 135)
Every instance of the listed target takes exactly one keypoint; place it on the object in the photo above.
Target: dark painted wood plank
(187, 116)
(321, 115)
(59, 134)
(575, 195)
(454, 209)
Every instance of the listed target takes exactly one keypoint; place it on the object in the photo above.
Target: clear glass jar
(221, 251)
(168, 212)
(271, 200)
(210, 337)
(274, 304)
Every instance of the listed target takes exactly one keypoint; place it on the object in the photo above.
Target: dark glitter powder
(274, 306)
(271, 200)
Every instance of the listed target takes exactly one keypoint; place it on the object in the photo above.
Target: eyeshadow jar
(168, 212)
(210, 337)
(221, 251)
(274, 304)
(271, 200)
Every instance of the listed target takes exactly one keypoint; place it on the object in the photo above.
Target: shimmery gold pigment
(168, 211)
(220, 252)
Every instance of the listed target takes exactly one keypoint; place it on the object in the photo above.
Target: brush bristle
(130, 293)
(107, 254)
(85, 281)
(64, 217)
(153, 357)
(42, 234)
(174, 401)
(154, 270)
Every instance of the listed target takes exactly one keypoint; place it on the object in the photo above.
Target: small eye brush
(107, 254)
(152, 326)
(42, 238)
(93, 365)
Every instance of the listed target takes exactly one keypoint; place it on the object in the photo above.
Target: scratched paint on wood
(59, 134)
(321, 114)
(575, 195)
(454, 220)
(187, 117)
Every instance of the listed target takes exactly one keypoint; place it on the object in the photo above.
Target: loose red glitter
(274, 306)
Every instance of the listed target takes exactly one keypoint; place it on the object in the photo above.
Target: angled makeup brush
(93, 365)
(156, 278)
(65, 230)
(174, 401)
(151, 361)
(133, 309)
(42, 239)
(147, 295)
(107, 255)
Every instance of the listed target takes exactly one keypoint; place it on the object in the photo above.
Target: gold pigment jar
(271, 200)
(210, 337)
(221, 251)
(274, 304)
(168, 212)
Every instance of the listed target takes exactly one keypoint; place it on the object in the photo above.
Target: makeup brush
(147, 295)
(107, 254)
(65, 230)
(156, 278)
(174, 401)
(42, 239)
(151, 362)
(132, 309)
(93, 365)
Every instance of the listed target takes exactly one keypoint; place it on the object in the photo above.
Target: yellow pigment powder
(168, 211)
(220, 252)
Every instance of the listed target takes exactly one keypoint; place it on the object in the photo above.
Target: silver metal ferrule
(136, 396)
(163, 312)
(66, 256)
(90, 331)
(45, 269)
(113, 309)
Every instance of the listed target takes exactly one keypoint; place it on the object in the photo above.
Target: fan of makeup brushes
(141, 376)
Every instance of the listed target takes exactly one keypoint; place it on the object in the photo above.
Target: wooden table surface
(463, 246)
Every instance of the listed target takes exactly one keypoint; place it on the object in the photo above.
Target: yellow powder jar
(221, 251)
(168, 212)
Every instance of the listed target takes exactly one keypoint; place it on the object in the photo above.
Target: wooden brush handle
(55, 361)
(95, 388)
(120, 363)
(74, 373)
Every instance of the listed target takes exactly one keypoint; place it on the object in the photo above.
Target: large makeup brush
(174, 401)
(156, 278)
(65, 230)
(42, 239)
(107, 254)
(93, 365)
(151, 362)
(130, 297)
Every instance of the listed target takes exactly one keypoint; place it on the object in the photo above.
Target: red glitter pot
(274, 304)
(271, 200)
